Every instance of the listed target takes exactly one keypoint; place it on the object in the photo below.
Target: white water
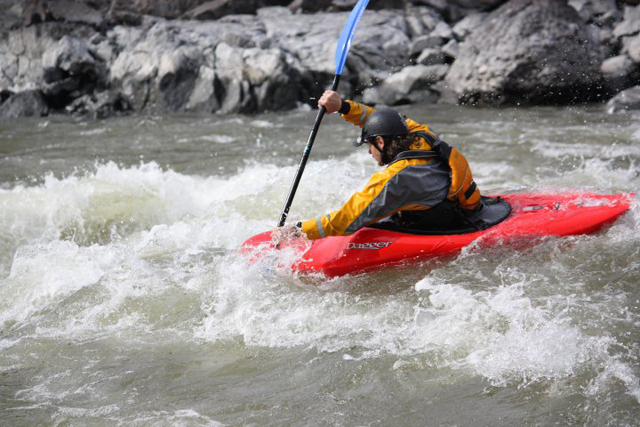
(110, 271)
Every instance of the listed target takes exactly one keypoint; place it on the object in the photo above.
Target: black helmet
(383, 122)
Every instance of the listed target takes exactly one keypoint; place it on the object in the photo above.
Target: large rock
(309, 5)
(533, 51)
(99, 105)
(601, 12)
(219, 8)
(24, 104)
(619, 72)
(12, 12)
(631, 46)
(630, 25)
(410, 85)
(158, 69)
(164, 8)
(21, 56)
(625, 100)
(71, 70)
(454, 10)
(380, 45)
(468, 24)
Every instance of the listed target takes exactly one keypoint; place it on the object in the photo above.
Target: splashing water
(126, 302)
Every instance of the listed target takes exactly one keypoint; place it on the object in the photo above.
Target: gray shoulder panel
(425, 185)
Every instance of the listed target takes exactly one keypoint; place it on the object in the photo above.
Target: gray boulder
(625, 100)
(99, 105)
(455, 10)
(532, 51)
(631, 46)
(12, 14)
(71, 70)
(219, 8)
(71, 55)
(630, 25)
(425, 42)
(619, 72)
(431, 57)
(24, 104)
(164, 8)
(442, 30)
(21, 55)
(158, 69)
(451, 49)
(410, 85)
(309, 5)
(468, 24)
(601, 12)
(72, 11)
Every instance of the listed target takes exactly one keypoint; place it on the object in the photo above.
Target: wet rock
(21, 53)
(451, 49)
(431, 57)
(429, 17)
(443, 31)
(219, 8)
(13, 14)
(177, 74)
(630, 24)
(625, 100)
(159, 68)
(99, 105)
(467, 25)
(70, 71)
(455, 10)
(71, 55)
(29, 103)
(411, 84)
(425, 42)
(602, 12)
(309, 5)
(619, 72)
(4, 95)
(206, 89)
(415, 26)
(163, 8)
(527, 51)
(631, 46)
(72, 11)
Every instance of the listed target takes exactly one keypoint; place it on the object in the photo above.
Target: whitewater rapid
(116, 260)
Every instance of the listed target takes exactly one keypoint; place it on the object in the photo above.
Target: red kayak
(527, 218)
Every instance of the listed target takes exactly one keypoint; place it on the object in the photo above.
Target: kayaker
(426, 183)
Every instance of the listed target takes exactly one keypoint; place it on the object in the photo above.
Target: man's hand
(331, 101)
(285, 234)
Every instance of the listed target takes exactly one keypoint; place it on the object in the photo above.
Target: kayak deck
(532, 216)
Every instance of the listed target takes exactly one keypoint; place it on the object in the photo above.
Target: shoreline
(103, 62)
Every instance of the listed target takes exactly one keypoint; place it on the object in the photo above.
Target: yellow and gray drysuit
(418, 179)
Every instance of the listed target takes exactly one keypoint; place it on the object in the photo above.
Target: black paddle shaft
(305, 156)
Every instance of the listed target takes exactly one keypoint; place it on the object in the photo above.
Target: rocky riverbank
(105, 57)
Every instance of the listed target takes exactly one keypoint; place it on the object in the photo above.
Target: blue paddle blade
(349, 30)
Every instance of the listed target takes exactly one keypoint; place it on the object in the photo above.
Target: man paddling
(426, 183)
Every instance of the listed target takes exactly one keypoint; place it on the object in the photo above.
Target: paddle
(344, 43)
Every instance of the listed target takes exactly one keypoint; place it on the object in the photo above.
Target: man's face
(375, 152)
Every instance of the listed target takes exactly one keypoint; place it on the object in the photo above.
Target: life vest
(463, 191)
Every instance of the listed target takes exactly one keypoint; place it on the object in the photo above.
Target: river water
(124, 301)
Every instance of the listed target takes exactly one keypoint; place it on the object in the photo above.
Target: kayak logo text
(377, 245)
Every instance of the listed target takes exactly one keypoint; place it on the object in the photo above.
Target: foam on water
(130, 251)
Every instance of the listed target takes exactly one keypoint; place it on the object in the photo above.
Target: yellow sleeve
(358, 113)
(354, 210)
